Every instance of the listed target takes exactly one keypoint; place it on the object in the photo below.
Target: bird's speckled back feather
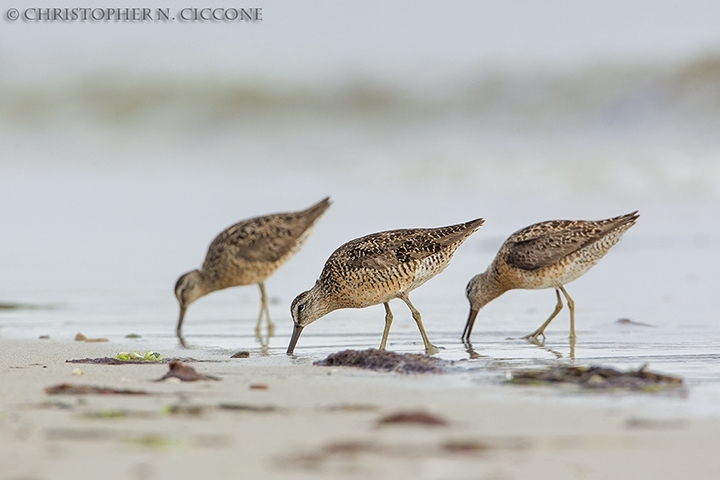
(545, 244)
(266, 241)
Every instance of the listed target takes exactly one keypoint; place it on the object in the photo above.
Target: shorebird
(545, 255)
(376, 269)
(246, 253)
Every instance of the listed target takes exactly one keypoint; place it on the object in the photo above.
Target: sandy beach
(302, 421)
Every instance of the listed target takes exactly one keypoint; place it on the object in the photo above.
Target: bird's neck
(322, 302)
(490, 287)
(203, 284)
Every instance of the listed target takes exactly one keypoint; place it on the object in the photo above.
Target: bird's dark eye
(300, 308)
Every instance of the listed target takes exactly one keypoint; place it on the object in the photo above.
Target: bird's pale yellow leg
(388, 322)
(264, 309)
(541, 330)
(571, 306)
(429, 347)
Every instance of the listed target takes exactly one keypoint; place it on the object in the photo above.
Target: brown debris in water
(69, 389)
(597, 377)
(384, 361)
(413, 418)
(24, 306)
(184, 372)
(627, 321)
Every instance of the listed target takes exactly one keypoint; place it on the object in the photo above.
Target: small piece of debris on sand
(82, 338)
(596, 377)
(658, 423)
(69, 389)
(467, 447)
(184, 372)
(351, 407)
(188, 410)
(384, 361)
(241, 354)
(413, 418)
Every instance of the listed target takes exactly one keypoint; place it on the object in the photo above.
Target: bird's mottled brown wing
(258, 239)
(389, 249)
(264, 239)
(544, 244)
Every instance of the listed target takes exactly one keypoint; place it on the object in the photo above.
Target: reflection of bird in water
(545, 255)
(376, 269)
(247, 253)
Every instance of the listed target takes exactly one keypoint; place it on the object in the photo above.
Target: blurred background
(126, 147)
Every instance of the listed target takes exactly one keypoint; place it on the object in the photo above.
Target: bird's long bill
(180, 320)
(469, 325)
(295, 337)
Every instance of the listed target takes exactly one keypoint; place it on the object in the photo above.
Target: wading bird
(376, 269)
(248, 253)
(545, 255)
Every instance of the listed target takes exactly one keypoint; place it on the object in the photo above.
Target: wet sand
(272, 419)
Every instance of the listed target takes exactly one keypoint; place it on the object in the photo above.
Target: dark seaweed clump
(597, 377)
(384, 361)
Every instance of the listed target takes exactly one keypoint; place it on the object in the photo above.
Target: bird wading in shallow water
(545, 255)
(248, 253)
(376, 269)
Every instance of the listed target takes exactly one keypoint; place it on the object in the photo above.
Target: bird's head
(305, 309)
(479, 291)
(189, 288)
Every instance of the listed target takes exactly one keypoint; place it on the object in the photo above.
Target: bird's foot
(535, 338)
